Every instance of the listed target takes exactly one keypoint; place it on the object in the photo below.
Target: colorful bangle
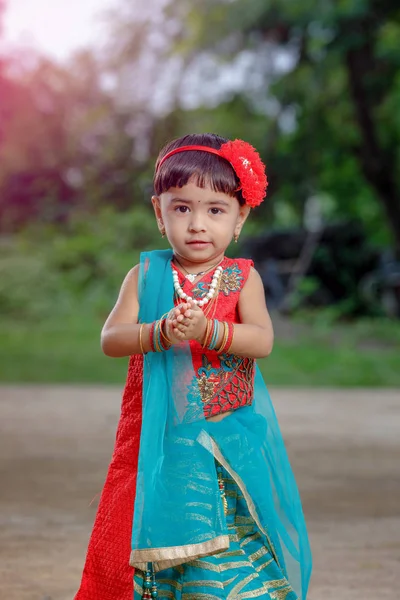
(151, 337)
(159, 341)
(215, 337)
(207, 337)
(224, 337)
(228, 338)
(166, 343)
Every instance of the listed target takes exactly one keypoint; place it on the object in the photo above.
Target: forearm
(123, 339)
(248, 340)
(252, 341)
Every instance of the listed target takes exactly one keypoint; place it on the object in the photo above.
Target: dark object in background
(341, 262)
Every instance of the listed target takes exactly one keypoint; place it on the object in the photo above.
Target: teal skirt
(246, 570)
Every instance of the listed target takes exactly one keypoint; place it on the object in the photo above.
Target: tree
(323, 76)
(342, 89)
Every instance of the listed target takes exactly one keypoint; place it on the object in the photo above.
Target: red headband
(246, 163)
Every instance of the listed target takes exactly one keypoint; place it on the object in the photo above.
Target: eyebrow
(210, 202)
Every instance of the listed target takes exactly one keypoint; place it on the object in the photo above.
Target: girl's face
(199, 222)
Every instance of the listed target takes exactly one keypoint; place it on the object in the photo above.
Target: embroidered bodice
(225, 381)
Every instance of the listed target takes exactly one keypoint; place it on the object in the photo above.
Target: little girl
(199, 501)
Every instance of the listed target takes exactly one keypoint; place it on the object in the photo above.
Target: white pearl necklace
(213, 286)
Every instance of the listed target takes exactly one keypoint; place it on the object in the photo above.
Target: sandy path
(55, 443)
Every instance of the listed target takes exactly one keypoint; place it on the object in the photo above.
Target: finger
(188, 314)
(179, 334)
(180, 318)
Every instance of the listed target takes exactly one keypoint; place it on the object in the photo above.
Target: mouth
(197, 242)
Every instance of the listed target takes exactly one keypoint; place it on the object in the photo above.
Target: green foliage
(30, 286)
(48, 271)
(68, 351)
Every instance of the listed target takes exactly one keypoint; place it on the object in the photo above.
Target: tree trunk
(378, 165)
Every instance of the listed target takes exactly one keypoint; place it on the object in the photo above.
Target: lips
(198, 244)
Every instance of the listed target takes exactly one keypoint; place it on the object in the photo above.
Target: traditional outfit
(193, 509)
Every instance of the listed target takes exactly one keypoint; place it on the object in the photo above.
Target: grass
(364, 353)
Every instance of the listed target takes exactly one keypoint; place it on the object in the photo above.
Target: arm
(254, 336)
(120, 334)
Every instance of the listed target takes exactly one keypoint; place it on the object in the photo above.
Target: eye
(182, 209)
(216, 211)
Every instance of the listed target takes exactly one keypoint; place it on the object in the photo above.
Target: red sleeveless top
(225, 382)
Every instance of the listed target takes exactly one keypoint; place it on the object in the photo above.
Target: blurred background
(89, 92)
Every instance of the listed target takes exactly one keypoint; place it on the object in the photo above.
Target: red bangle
(165, 343)
(226, 347)
(151, 338)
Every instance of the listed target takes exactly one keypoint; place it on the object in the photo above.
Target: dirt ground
(55, 444)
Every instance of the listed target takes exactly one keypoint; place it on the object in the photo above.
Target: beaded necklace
(208, 296)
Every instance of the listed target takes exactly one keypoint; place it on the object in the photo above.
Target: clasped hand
(186, 322)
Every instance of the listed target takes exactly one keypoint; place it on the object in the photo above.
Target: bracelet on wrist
(159, 341)
(229, 330)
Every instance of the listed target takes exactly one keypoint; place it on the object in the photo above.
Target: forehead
(193, 194)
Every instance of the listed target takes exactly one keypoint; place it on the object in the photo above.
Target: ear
(155, 200)
(244, 212)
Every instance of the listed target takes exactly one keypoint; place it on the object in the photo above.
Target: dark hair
(202, 167)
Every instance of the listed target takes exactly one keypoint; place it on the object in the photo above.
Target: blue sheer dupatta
(178, 513)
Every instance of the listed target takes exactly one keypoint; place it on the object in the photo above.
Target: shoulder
(133, 274)
(253, 280)
(130, 282)
(239, 268)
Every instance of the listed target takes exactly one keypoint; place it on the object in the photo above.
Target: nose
(196, 223)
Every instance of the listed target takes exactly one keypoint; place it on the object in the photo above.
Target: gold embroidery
(230, 581)
(243, 520)
(249, 539)
(252, 594)
(275, 583)
(207, 583)
(176, 555)
(231, 280)
(244, 530)
(233, 565)
(172, 582)
(233, 553)
(260, 552)
(264, 565)
(204, 564)
(239, 586)
(280, 594)
(250, 504)
(206, 387)
(199, 596)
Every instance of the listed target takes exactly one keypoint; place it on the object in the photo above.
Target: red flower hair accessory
(249, 168)
(246, 163)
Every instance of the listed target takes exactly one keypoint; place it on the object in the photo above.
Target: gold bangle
(208, 329)
(140, 339)
(163, 334)
(224, 337)
(233, 335)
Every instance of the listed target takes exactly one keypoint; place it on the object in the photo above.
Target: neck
(196, 267)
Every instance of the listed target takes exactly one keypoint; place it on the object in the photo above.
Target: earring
(162, 233)
(236, 237)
